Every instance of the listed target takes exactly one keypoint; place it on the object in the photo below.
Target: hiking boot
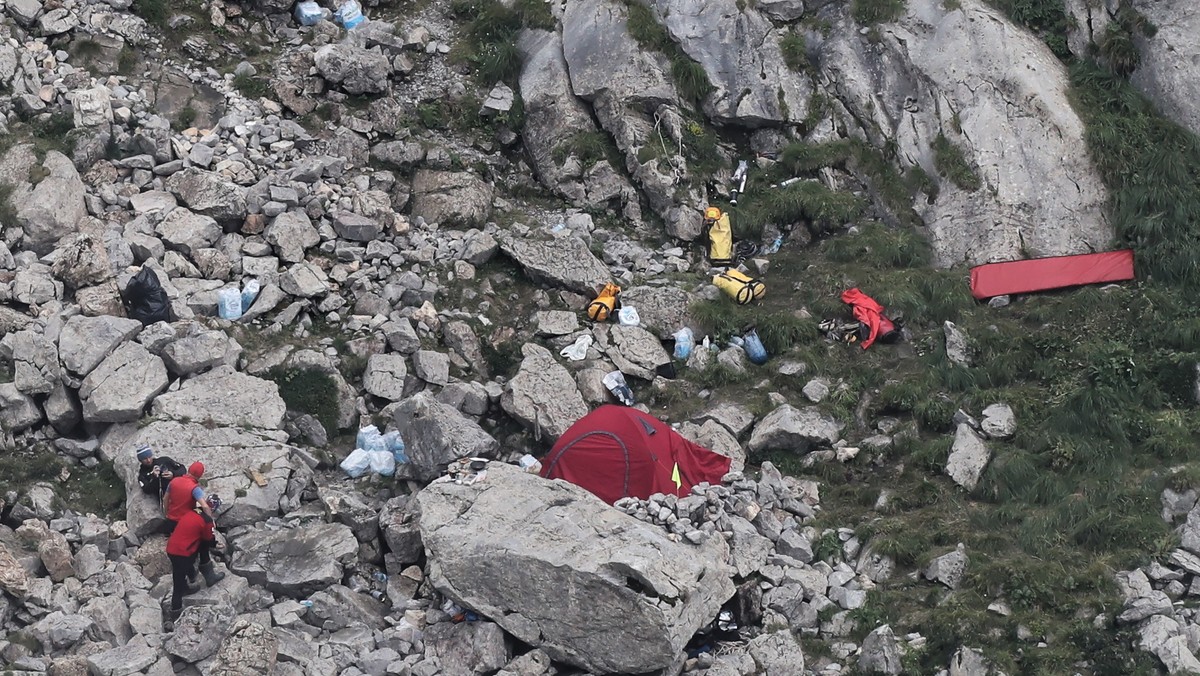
(211, 576)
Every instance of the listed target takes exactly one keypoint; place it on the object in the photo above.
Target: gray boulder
(187, 232)
(231, 458)
(198, 350)
(1166, 72)
(663, 310)
(957, 348)
(948, 569)
(127, 659)
(436, 434)
(121, 386)
(291, 233)
(357, 228)
(18, 411)
(777, 653)
(566, 262)
(510, 548)
(451, 197)
(305, 280)
(35, 285)
(81, 260)
(880, 652)
(715, 437)
(399, 522)
(556, 322)
(199, 632)
(542, 395)
(224, 397)
(782, 10)
(54, 206)
(354, 69)
(1048, 199)
(636, 351)
(385, 375)
(208, 194)
(431, 366)
(295, 562)
(467, 648)
(35, 361)
(250, 648)
(788, 428)
(968, 457)
(999, 421)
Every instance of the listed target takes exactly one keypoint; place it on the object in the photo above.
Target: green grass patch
(795, 52)
(951, 163)
(490, 35)
(310, 391)
(155, 12)
(644, 27)
(871, 12)
(251, 86)
(589, 146)
(1048, 19)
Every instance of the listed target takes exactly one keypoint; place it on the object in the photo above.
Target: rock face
(225, 397)
(436, 434)
(662, 309)
(1167, 72)
(565, 262)
(543, 395)
(1040, 194)
(228, 454)
(752, 86)
(788, 428)
(296, 562)
(519, 549)
(119, 388)
(355, 69)
(451, 197)
(205, 193)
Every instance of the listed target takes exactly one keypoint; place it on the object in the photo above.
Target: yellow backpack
(720, 242)
(606, 303)
(740, 286)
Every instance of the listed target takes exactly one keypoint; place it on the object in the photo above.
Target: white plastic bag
(370, 439)
(383, 463)
(577, 351)
(628, 316)
(356, 463)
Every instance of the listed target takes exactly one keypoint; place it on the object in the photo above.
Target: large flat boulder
(562, 571)
(84, 342)
(225, 397)
(543, 395)
(436, 434)
(451, 197)
(295, 562)
(566, 262)
(662, 310)
(119, 388)
(231, 456)
(51, 208)
(208, 194)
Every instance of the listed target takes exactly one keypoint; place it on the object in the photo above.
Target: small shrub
(251, 86)
(795, 52)
(870, 12)
(952, 164)
(691, 79)
(155, 12)
(308, 390)
(589, 146)
(186, 117)
(1119, 50)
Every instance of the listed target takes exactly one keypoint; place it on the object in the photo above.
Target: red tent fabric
(868, 311)
(1043, 274)
(618, 452)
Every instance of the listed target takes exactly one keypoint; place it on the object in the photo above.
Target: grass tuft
(871, 12)
(952, 164)
(795, 52)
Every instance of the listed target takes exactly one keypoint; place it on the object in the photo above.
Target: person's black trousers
(181, 569)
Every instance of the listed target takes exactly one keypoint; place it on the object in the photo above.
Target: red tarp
(1043, 274)
(868, 311)
(618, 452)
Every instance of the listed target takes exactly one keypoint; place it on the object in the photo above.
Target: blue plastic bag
(369, 439)
(308, 13)
(754, 348)
(684, 342)
(356, 463)
(349, 15)
(395, 445)
(229, 304)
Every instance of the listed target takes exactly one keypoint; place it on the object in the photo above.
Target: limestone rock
(663, 310)
(999, 421)
(436, 434)
(517, 549)
(1166, 72)
(18, 410)
(880, 652)
(948, 569)
(467, 648)
(565, 262)
(957, 349)
(249, 649)
(54, 206)
(777, 653)
(225, 397)
(637, 352)
(208, 194)
(357, 70)
(791, 429)
(385, 375)
(121, 386)
(92, 106)
(295, 562)
(542, 395)
(968, 457)
(715, 437)
(199, 631)
(291, 233)
(451, 197)
(126, 659)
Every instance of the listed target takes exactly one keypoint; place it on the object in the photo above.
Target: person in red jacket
(184, 493)
(191, 541)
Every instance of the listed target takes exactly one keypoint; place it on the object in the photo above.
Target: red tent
(617, 452)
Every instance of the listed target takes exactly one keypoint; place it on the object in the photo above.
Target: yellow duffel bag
(740, 286)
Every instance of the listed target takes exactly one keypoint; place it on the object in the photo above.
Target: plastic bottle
(306, 603)
(249, 294)
(229, 304)
(684, 342)
(380, 576)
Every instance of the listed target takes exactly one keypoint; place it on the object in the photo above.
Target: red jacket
(867, 311)
(191, 529)
(179, 496)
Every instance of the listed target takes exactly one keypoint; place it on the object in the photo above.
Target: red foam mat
(1043, 274)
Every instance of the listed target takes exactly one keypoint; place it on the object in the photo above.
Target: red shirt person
(191, 541)
(184, 493)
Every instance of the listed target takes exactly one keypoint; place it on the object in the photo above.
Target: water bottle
(754, 348)
(307, 604)
(380, 576)
(249, 294)
(684, 342)
(229, 304)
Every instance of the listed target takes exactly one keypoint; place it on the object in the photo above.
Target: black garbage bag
(145, 300)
